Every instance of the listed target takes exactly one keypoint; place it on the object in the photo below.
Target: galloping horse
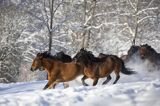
(57, 70)
(147, 52)
(132, 52)
(96, 68)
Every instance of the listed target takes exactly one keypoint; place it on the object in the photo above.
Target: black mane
(61, 56)
(86, 57)
(47, 54)
(149, 48)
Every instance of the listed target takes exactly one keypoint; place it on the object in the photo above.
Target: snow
(141, 89)
(126, 94)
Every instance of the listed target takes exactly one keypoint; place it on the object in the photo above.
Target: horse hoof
(104, 83)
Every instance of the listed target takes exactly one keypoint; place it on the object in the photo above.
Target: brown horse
(100, 67)
(147, 52)
(57, 70)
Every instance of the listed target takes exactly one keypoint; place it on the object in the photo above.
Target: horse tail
(125, 70)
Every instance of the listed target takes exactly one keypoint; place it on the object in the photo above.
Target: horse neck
(47, 63)
(151, 53)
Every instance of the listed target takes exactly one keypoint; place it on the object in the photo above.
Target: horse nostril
(142, 56)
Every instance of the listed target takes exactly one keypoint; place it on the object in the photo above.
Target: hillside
(141, 89)
(126, 94)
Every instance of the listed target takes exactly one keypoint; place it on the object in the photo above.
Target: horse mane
(149, 48)
(86, 57)
(47, 54)
(90, 56)
(102, 55)
(61, 56)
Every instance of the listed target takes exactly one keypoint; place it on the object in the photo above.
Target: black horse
(131, 54)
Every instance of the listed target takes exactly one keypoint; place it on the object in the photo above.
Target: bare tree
(50, 7)
(88, 21)
(139, 14)
(11, 27)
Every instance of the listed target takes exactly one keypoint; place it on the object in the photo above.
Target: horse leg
(65, 84)
(51, 80)
(107, 80)
(83, 80)
(47, 77)
(49, 84)
(95, 81)
(117, 77)
(54, 85)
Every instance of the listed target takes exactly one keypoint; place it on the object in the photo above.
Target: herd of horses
(62, 68)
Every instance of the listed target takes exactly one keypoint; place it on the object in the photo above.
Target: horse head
(132, 50)
(84, 57)
(37, 62)
(146, 51)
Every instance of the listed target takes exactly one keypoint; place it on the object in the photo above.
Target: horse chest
(89, 72)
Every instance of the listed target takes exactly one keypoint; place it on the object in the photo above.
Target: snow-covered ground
(142, 89)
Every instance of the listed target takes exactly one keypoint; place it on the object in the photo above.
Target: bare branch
(134, 7)
(139, 21)
(47, 19)
(40, 19)
(150, 3)
(57, 7)
(147, 9)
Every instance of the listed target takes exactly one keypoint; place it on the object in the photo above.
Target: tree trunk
(50, 41)
(84, 33)
(51, 26)
(87, 39)
(136, 27)
(86, 45)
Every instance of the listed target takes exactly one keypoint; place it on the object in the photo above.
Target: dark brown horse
(57, 70)
(147, 52)
(100, 67)
(132, 52)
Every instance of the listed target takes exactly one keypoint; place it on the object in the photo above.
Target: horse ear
(46, 52)
(141, 45)
(39, 55)
(62, 52)
(82, 49)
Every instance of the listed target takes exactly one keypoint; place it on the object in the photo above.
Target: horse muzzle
(41, 68)
(142, 56)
